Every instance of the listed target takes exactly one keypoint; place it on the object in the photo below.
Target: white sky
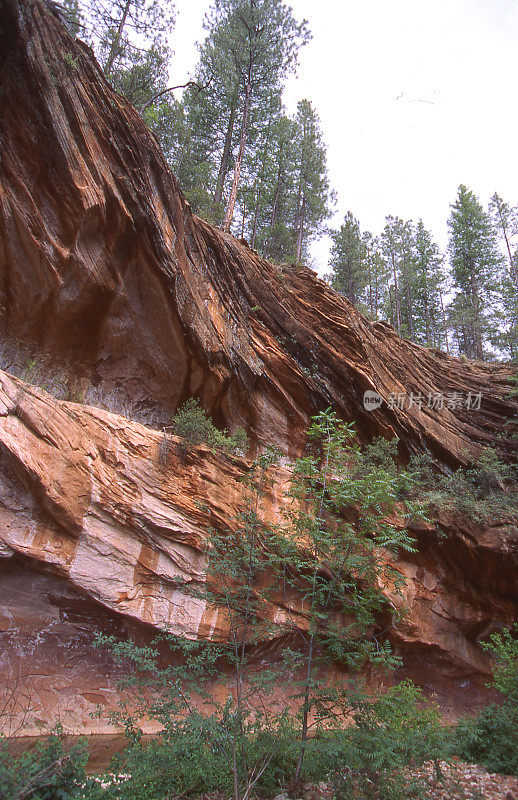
(414, 97)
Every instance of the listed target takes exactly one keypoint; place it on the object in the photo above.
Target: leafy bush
(399, 728)
(47, 772)
(363, 760)
(504, 648)
(367, 759)
(491, 737)
(484, 487)
(381, 454)
(181, 765)
(192, 425)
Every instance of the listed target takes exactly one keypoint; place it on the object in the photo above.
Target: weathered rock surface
(99, 531)
(103, 265)
(102, 261)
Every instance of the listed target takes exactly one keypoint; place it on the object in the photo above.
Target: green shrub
(50, 771)
(192, 425)
(486, 486)
(367, 759)
(491, 737)
(181, 765)
(397, 729)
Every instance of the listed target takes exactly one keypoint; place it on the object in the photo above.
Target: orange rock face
(102, 262)
(103, 266)
(99, 531)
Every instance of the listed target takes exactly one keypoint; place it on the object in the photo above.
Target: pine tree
(253, 199)
(475, 263)
(275, 238)
(312, 186)
(391, 248)
(71, 11)
(257, 42)
(219, 110)
(123, 30)
(349, 260)
(505, 221)
(374, 297)
(250, 47)
(129, 38)
(193, 140)
(430, 322)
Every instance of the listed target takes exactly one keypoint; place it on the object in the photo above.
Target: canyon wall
(105, 270)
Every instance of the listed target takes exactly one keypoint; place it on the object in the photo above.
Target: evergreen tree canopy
(349, 260)
(313, 196)
(129, 38)
(505, 221)
(256, 44)
(475, 262)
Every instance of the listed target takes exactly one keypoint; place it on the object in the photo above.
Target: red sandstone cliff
(102, 262)
(104, 267)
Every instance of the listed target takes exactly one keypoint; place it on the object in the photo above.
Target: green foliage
(475, 263)
(491, 736)
(121, 31)
(314, 200)
(349, 260)
(484, 487)
(387, 734)
(413, 299)
(255, 743)
(398, 276)
(181, 764)
(505, 221)
(398, 728)
(50, 771)
(192, 425)
(504, 648)
(331, 550)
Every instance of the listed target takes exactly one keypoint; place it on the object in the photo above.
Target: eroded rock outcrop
(103, 265)
(100, 528)
(102, 261)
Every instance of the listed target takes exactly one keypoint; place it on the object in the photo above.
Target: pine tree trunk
(391, 306)
(259, 183)
(396, 298)
(427, 320)
(370, 288)
(116, 39)
(300, 233)
(225, 158)
(444, 323)
(408, 294)
(273, 219)
(229, 213)
(350, 281)
(256, 214)
(376, 296)
(477, 325)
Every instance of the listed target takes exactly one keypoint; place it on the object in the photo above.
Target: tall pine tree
(313, 198)
(129, 38)
(475, 263)
(349, 260)
(257, 43)
(428, 288)
(505, 221)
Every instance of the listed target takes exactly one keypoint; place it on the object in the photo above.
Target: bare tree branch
(170, 89)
